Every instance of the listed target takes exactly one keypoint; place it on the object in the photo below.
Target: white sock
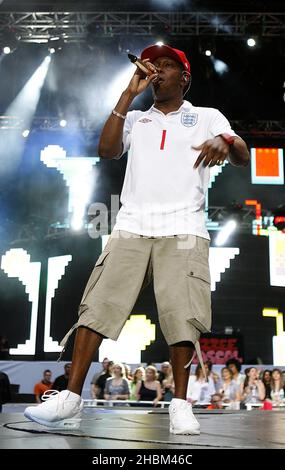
(73, 396)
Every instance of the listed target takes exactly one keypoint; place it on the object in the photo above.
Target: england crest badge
(189, 119)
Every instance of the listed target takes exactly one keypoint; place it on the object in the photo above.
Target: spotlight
(56, 43)
(77, 223)
(225, 232)
(10, 39)
(207, 46)
(119, 81)
(23, 106)
(25, 133)
(219, 66)
(159, 43)
(62, 123)
(251, 42)
(51, 50)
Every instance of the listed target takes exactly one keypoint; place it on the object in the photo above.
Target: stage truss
(75, 26)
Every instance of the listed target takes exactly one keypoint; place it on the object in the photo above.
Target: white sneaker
(182, 419)
(59, 410)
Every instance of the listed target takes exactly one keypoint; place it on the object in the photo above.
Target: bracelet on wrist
(122, 116)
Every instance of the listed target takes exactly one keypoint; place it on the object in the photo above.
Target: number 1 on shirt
(163, 140)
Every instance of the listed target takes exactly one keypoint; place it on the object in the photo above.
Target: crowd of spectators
(234, 389)
(230, 388)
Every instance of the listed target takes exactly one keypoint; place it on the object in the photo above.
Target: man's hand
(213, 152)
(110, 143)
(140, 81)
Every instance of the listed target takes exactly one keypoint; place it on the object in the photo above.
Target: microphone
(140, 64)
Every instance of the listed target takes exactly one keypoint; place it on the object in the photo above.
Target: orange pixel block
(267, 162)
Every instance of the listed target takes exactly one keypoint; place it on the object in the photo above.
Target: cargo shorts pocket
(199, 290)
(95, 275)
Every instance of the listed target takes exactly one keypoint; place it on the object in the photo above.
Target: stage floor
(104, 428)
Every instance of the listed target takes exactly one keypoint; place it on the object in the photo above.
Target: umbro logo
(144, 120)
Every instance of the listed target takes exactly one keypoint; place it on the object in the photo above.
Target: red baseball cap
(155, 51)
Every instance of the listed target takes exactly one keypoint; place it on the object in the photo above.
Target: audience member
(164, 367)
(277, 393)
(138, 376)
(235, 367)
(168, 387)
(128, 373)
(211, 374)
(266, 379)
(61, 382)
(216, 402)
(150, 388)
(199, 388)
(41, 387)
(117, 386)
(105, 366)
(229, 389)
(101, 382)
(253, 389)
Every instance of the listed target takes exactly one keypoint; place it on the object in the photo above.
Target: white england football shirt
(162, 193)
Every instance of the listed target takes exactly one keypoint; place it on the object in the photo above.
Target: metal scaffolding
(244, 127)
(74, 26)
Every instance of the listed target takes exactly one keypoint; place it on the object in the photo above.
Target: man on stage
(160, 230)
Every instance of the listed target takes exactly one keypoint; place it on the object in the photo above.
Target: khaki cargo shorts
(179, 268)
